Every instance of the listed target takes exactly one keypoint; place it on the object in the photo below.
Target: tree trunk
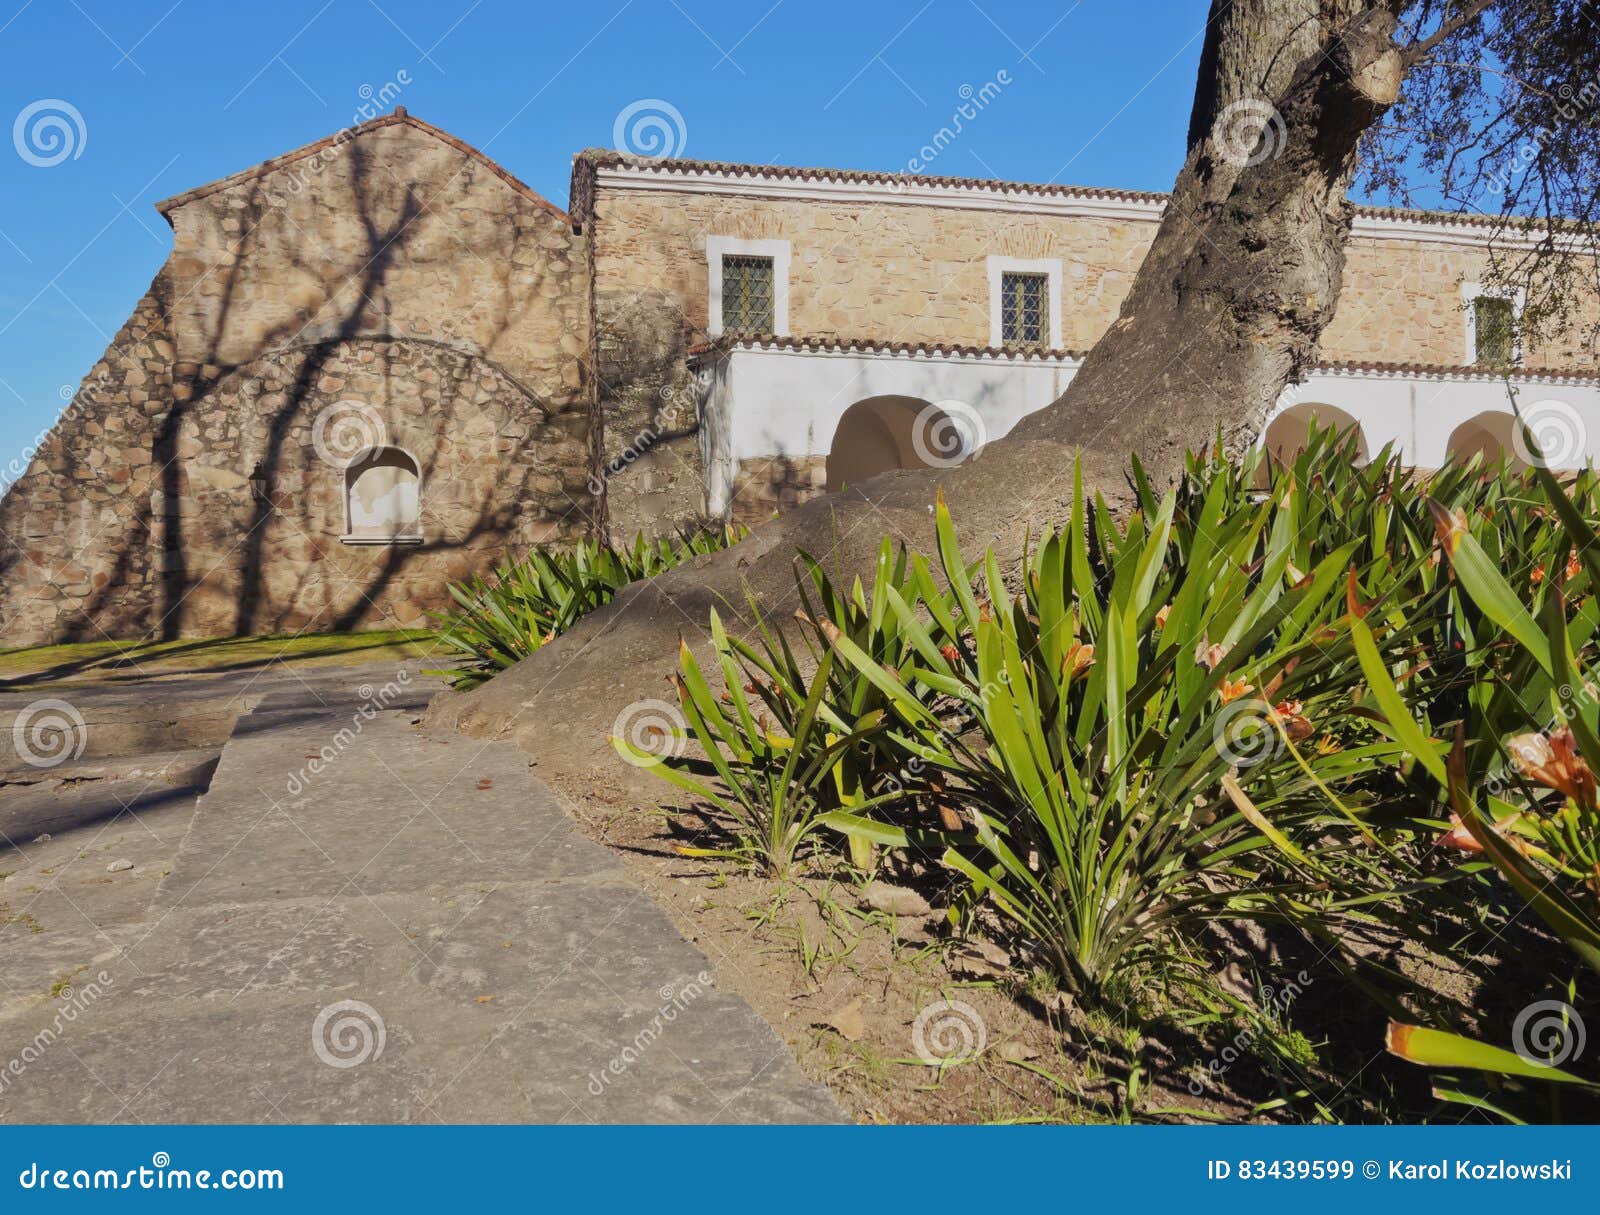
(1227, 308)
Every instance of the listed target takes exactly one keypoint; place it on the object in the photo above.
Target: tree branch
(1448, 28)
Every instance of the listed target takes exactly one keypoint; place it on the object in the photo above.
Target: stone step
(369, 922)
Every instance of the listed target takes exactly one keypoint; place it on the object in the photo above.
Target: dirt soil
(904, 1022)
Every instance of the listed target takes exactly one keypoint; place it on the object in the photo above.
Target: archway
(383, 497)
(1487, 435)
(1289, 433)
(884, 432)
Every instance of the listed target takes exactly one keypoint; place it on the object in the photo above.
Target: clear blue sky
(173, 95)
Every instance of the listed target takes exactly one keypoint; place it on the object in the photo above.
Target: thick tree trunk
(1241, 279)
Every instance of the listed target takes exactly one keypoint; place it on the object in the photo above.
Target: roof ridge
(399, 116)
(609, 158)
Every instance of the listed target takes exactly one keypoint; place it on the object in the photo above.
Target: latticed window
(747, 300)
(1494, 323)
(1024, 310)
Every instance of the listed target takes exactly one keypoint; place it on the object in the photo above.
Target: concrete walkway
(356, 921)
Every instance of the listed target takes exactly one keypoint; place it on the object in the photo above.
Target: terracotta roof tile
(882, 346)
(605, 158)
(871, 345)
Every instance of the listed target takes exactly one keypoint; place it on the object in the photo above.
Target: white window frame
(1050, 267)
(718, 247)
(1471, 291)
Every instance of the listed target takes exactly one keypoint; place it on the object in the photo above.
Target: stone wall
(76, 559)
(394, 288)
(766, 486)
(912, 273)
(653, 469)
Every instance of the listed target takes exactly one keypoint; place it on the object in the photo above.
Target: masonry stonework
(392, 288)
(917, 274)
(392, 296)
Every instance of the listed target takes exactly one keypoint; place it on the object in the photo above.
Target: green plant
(774, 785)
(526, 604)
(1532, 717)
(1131, 763)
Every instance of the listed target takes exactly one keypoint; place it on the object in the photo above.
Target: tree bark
(1227, 308)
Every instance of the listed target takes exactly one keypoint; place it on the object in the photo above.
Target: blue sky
(173, 95)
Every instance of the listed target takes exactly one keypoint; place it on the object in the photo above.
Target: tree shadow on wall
(403, 229)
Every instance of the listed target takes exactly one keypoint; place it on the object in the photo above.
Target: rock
(1232, 979)
(1058, 1002)
(847, 1022)
(894, 900)
(119, 866)
(979, 959)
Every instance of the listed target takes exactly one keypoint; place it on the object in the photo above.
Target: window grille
(1024, 310)
(747, 294)
(1494, 326)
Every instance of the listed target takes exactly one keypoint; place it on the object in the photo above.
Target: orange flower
(1538, 574)
(1458, 837)
(1552, 759)
(1077, 661)
(1162, 613)
(1230, 691)
(1448, 525)
(1573, 564)
(1208, 655)
(1289, 714)
(951, 653)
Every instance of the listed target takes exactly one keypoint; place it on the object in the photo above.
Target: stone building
(380, 363)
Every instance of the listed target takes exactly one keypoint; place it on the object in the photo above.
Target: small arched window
(383, 498)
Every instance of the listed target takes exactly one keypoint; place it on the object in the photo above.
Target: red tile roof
(595, 158)
(871, 345)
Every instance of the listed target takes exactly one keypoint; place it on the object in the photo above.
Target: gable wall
(392, 290)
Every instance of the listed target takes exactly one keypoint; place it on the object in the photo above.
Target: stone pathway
(357, 921)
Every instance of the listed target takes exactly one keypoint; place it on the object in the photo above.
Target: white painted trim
(718, 247)
(1008, 357)
(1068, 362)
(1050, 267)
(1061, 201)
(1471, 291)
